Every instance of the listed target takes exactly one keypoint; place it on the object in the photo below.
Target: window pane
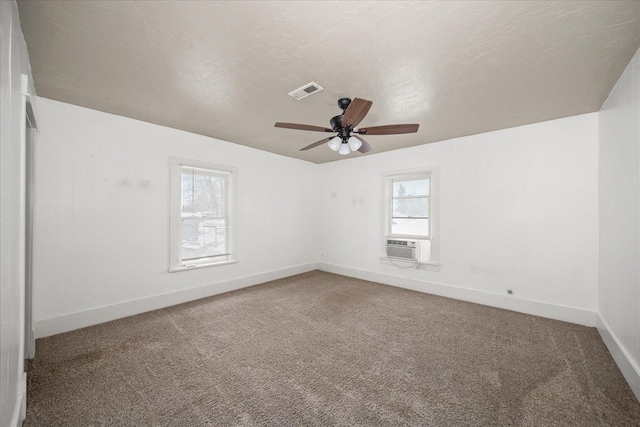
(411, 227)
(203, 194)
(418, 187)
(202, 237)
(411, 207)
(187, 191)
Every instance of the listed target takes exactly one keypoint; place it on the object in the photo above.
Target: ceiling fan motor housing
(336, 122)
(343, 132)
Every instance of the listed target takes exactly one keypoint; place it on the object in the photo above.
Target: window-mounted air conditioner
(401, 249)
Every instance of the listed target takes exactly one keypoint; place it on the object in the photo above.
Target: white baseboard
(70, 322)
(630, 370)
(552, 311)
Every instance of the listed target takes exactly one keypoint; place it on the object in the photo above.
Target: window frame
(433, 212)
(176, 262)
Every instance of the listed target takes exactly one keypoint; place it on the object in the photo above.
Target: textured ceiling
(224, 69)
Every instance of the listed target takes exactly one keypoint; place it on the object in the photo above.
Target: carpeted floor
(322, 349)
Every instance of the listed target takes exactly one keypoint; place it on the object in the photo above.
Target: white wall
(101, 220)
(619, 292)
(519, 210)
(13, 62)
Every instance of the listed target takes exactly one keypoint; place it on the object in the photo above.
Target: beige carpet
(322, 349)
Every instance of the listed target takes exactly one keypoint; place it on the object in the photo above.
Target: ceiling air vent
(306, 90)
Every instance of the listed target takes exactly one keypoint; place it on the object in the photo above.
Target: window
(201, 214)
(409, 206)
(411, 211)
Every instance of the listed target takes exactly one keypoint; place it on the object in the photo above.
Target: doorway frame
(28, 128)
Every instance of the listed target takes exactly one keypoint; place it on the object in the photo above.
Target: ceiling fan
(347, 139)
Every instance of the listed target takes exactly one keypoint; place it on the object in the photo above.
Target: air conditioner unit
(401, 249)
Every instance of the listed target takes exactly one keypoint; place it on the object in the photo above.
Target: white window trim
(434, 215)
(175, 212)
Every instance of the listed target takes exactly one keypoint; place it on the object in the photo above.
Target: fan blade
(358, 108)
(315, 144)
(365, 147)
(389, 130)
(302, 127)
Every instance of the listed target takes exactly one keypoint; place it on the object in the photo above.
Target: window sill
(421, 266)
(198, 266)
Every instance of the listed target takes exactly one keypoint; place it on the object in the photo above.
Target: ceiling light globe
(335, 143)
(354, 143)
(344, 149)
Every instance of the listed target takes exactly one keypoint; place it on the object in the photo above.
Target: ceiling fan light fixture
(354, 143)
(335, 143)
(344, 149)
